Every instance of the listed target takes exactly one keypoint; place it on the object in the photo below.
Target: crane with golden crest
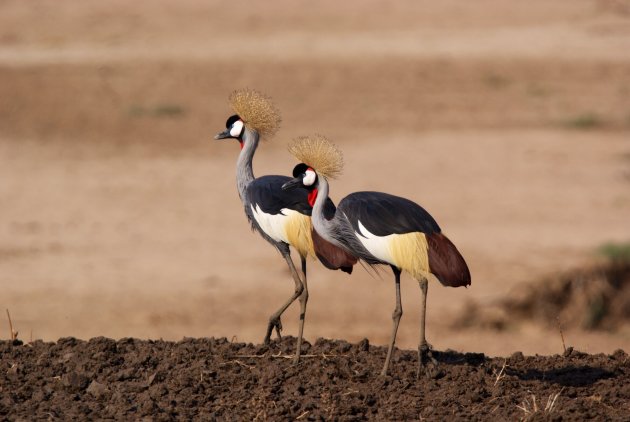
(282, 218)
(378, 228)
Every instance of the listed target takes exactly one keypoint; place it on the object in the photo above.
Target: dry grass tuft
(501, 374)
(319, 153)
(14, 334)
(564, 346)
(530, 407)
(256, 110)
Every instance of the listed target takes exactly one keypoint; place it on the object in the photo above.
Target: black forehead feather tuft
(299, 170)
(231, 120)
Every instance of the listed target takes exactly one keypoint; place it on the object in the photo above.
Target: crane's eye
(309, 177)
(237, 129)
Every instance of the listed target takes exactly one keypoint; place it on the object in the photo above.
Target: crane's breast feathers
(287, 226)
(408, 251)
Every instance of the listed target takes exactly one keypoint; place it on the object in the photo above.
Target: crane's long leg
(303, 299)
(396, 320)
(274, 319)
(424, 350)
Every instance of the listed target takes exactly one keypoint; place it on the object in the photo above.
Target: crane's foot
(427, 365)
(274, 323)
(296, 358)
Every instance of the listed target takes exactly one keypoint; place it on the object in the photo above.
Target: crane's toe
(278, 327)
(267, 338)
(427, 364)
(274, 323)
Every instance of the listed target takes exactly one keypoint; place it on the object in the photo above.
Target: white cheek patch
(237, 128)
(309, 178)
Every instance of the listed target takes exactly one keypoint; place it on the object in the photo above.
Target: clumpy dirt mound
(597, 297)
(212, 379)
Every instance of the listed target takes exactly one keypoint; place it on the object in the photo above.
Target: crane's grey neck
(244, 171)
(324, 227)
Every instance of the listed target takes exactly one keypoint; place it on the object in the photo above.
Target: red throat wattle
(241, 143)
(312, 196)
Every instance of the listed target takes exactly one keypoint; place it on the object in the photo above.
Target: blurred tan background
(509, 122)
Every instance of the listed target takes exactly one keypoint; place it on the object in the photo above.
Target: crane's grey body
(378, 228)
(245, 180)
(394, 218)
(282, 218)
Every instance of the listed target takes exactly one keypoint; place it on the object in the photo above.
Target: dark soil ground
(212, 379)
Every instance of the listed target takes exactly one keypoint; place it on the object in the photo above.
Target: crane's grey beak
(292, 184)
(223, 135)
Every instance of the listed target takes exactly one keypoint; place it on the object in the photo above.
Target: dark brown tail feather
(446, 263)
(331, 256)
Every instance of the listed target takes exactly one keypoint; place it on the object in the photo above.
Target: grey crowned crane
(379, 228)
(281, 217)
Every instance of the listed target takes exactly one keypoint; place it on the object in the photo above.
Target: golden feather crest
(319, 153)
(256, 110)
